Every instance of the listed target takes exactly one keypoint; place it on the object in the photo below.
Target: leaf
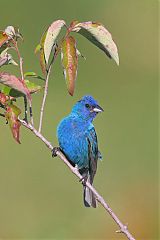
(100, 36)
(69, 60)
(6, 58)
(42, 61)
(40, 47)
(12, 113)
(10, 31)
(3, 38)
(37, 49)
(3, 98)
(51, 36)
(33, 74)
(15, 83)
(32, 87)
(3, 48)
(80, 55)
(13, 32)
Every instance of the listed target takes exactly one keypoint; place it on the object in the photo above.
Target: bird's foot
(54, 151)
(83, 180)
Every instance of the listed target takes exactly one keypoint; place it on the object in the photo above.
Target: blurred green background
(39, 197)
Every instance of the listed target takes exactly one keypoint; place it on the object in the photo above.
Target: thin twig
(56, 51)
(123, 228)
(44, 98)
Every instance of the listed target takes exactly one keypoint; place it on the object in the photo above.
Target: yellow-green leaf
(69, 60)
(3, 38)
(40, 48)
(12, 113)
(100, 36)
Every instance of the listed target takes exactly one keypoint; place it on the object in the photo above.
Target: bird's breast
(72, 140)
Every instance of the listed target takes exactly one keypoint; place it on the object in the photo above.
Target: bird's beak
(98, 109)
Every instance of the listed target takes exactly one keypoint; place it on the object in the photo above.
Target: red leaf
(12, 114)
(15, 83)
(4, 98)
(70, 62)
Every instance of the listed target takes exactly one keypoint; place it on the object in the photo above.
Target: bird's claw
(54, 151)
(83, 180)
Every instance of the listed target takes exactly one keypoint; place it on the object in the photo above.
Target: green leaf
(12, 113)
(69, 60)
(32, 87)
(51, 36)
(37, 49)
(33, 74)
(40, 47)
(100, 36)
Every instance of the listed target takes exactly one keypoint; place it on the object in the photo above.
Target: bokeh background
(39, 197)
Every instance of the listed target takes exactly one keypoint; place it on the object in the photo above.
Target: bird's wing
(92, 152)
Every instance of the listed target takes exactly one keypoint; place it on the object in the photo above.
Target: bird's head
(87, 108)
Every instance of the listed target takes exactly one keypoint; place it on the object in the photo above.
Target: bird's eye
(87, 105)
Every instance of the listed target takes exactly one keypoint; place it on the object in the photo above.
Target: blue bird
(78, 141)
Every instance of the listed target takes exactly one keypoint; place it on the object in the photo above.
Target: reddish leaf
(4, 98)
(12, 113)
(70, 62)
(15, 83)
(100, 36)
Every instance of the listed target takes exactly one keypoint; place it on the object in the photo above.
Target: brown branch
(74, 170)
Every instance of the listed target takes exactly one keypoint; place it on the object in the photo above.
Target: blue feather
(78, 141)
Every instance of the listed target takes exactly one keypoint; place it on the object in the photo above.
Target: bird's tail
(88, 197)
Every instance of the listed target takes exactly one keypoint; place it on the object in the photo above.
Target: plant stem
(44, 97)
(123, 228)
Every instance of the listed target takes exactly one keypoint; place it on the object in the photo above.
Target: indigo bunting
(78, 141)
